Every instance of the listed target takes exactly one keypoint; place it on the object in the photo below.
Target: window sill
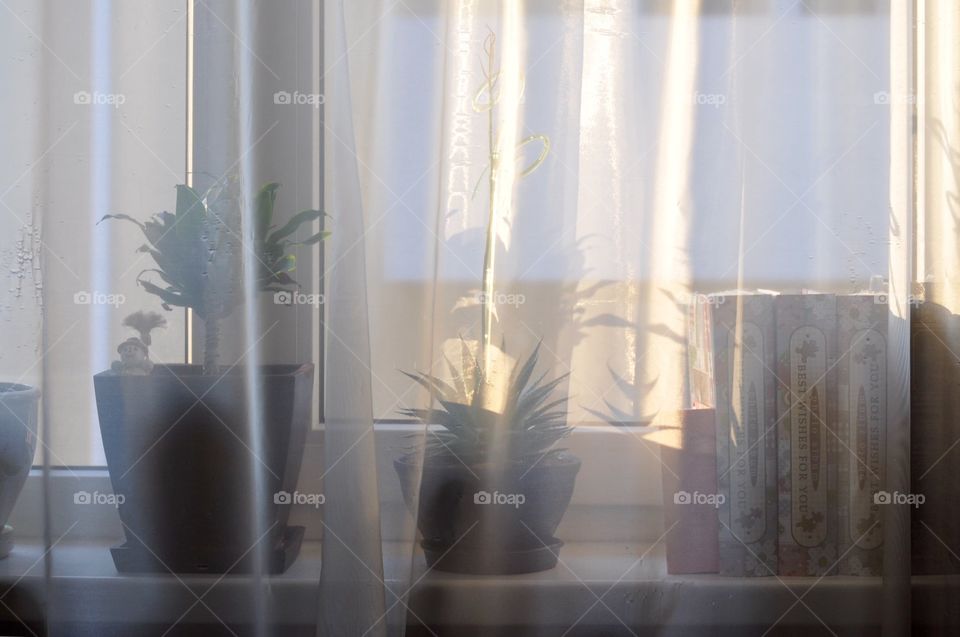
(629, 512)
(636, 592)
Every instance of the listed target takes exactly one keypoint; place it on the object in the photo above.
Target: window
(762, 71)
(129, 97)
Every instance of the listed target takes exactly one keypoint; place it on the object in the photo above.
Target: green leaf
(422, 415)
(264, 203)
(156, 254)
(190, 212)
(317, 238)
(458, 381)
(286, 263)
(167, 296)
(173, 286)
(283, 279)
(538, 392)
(463, 413)
(529, 402)
(122, 217)
(158, 227)
(307, 216)
(476, 376)
(433, 385)
(545, 410)
(521, 375)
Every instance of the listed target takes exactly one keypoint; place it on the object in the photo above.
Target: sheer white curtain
(632, 207)
(770, 112)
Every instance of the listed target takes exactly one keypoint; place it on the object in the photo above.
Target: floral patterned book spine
(807, 433)
(744, 355)
(862, 370)
(700, 375)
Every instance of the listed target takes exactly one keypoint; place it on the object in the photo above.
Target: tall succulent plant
(485, 416)
(198, 252)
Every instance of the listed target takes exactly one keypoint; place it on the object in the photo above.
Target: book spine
(862, 393)
(807, 433)
(700, 381)
(744, 355)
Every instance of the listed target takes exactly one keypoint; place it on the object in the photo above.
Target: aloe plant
(198, 253)
(530, 425)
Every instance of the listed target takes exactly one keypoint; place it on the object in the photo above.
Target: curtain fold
(353, 593)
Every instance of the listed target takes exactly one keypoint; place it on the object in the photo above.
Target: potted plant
(177, 438)
(18, 443)
(492, 487)
(493, 490)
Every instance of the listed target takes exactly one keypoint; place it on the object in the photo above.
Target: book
(744, 354)
(699, 351)
(862, 410)
(806, 337)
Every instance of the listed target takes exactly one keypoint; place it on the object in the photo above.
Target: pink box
(690, 491)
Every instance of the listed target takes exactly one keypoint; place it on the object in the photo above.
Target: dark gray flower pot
(18, 444)
(186, 467)
(462, 533)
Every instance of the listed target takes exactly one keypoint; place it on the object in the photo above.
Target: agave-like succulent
(198, 252)
(529, 426)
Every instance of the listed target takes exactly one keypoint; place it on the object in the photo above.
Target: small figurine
(135, 352)
(134, 358)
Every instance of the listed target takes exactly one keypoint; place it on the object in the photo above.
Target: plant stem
(211, 345)
(489, 254)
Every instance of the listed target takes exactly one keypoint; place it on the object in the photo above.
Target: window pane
(96, 125)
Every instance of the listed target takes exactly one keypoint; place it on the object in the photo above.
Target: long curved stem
(489, 254)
